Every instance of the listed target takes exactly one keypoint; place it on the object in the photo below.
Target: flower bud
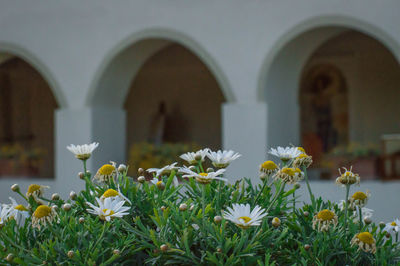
(163, 208)
(276, 222)
(297, 186)
(307, 247)
(192, 168)
(122, 168)
(382, 225)
(209, 170)
(367, 220)
(141, 179)
(191, 207)
(72, 195)
(306, 214)
(219, 250)
(140, 171)
(10, 257)
(81, 220)
(164, 247)
(55, 196)
(66, 207)
(198, 157)
(217, 219)
(183, 207)
(54, 207)
(81, 175)
(15, 188)
(116, 252)
(70, 254)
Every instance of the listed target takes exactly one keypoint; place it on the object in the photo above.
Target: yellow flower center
(301, 149)
(348, 174)
(302, 156)
(203, 174)
(269, 165)
(32, 188)
(42, 211)
(159, 183)
(20, 207)
(246, 219)
(106, 210)
(359, 195)
(106, 169)
(288, 171)
(393, 224)
(325, 215)
(366, 237)
(110, 193)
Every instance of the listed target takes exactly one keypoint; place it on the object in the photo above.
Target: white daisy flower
(108, 209)
(365, 212)
(241, 215)
(112, 193)
(4, 210)
(365, 241)
(360, 198)
(347, 178)
(35, 191)
(222, 159)
(106, 172)
(18, 212)
(166, 170)
(43, 215)
(393, 226)
(193, 157)
(83, 152)
(285, 154)
(203, 178)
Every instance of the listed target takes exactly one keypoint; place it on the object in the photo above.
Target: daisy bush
(192, 215)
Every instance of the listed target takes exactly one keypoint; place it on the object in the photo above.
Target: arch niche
(332, 87)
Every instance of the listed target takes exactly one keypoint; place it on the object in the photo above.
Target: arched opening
(324, 110)
(166, 94)
(173, 100)
(27, 108)
(339, 89)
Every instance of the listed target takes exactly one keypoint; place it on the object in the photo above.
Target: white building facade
(89, 52)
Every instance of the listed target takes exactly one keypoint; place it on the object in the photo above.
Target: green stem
(308, 186)
(84, 167)
(260, 192)
(276, 196)
(98, 240)
(22, 195)
(203, 200)
(360, 216)
(294, 201)
(346, 206)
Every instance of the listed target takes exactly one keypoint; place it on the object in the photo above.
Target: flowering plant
(201, 220)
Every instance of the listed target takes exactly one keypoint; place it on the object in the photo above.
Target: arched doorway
(174, 102)
(342, 63)
(27, 108)
(165, 70)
